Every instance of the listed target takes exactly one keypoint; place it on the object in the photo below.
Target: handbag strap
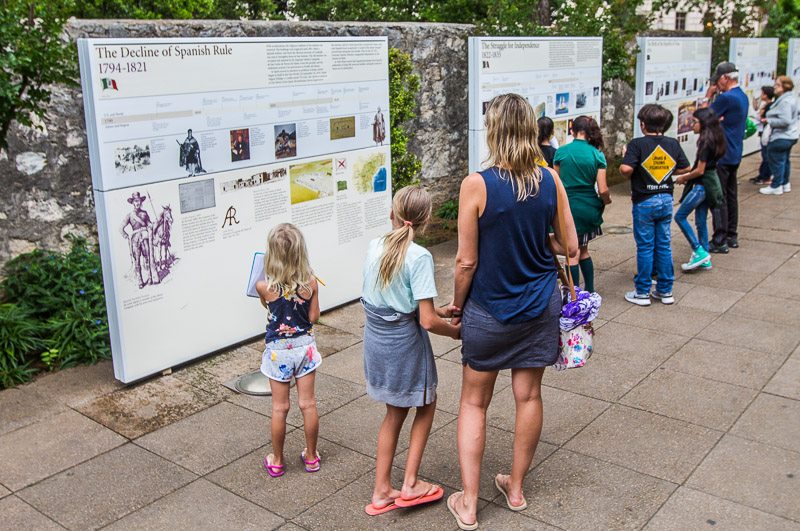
(564, 274)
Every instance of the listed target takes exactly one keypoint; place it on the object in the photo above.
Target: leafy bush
(448, 210)
(403, 89)
(53, 312)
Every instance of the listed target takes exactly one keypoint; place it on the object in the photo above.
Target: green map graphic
(364, 170)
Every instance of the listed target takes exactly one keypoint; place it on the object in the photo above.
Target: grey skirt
(398, 358)
(489, 345)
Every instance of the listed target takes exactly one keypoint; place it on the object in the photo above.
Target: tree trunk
(543, 11)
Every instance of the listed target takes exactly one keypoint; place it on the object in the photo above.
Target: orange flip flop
(431, 496)
(375, 511)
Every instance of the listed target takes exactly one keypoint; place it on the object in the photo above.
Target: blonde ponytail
(411, 209)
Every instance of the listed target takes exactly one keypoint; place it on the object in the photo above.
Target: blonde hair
(786, 82)
(286, 266)
(411, 207)
(511, 135)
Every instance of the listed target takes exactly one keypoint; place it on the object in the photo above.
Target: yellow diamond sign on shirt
(659, 164)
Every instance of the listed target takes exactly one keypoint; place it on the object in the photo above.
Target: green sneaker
(706, 266)
(699, 257)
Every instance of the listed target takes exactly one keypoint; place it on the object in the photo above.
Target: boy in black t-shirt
(650, 161)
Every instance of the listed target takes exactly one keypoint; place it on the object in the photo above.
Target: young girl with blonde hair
(398, 294)
(289, 292)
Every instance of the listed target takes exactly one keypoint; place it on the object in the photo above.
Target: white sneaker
(638, 299)
(787, 188)
(768, 190)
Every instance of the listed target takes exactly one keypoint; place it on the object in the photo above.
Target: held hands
(681, 179)
(605, 197)
(449, 311)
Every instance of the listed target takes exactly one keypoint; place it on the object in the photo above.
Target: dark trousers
(726, 215)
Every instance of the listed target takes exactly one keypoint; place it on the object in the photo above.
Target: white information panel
(673, 72)
(561, 77)
(793, 63)
(197, 148)
(757, 62)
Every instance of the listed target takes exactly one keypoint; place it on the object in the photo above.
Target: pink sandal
(275, 471)
(312, 465)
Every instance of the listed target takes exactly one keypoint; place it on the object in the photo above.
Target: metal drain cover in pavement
(617, 229)
(253, 383)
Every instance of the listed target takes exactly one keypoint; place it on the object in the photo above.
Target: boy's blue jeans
(651, 230)
(694, 200)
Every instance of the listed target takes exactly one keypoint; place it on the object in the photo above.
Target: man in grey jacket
(782, 120)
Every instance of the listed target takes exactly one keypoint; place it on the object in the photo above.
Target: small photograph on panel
(685, 111)
(149, 240)
(485, 107)
(683, 84)
(675, 87)
(285, 141)
(240, 144)
(560, 131)
(562, 103)
(370, 174)
(539, 109)
(189, 154)
(341, 186)
(378, 128)
(648, 88)
(596, 90)
(129, 159)
(343, 127)
(311, 180)
(580, 100)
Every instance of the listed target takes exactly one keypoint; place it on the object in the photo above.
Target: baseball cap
(722, 69)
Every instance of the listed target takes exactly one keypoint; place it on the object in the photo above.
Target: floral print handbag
(576, 341)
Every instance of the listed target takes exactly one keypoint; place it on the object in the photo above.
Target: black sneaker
(733, 243)
(721, 249)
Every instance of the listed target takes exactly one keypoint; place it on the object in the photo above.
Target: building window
(680, 21)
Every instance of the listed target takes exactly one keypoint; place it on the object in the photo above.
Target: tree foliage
(176, 9)
(403, 89)
(33, 55)
(784, 23)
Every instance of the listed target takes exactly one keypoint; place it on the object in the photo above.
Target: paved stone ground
(687, 417)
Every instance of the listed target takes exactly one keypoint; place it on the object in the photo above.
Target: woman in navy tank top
(505, 281)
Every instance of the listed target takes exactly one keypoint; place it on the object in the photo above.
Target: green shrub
(448, 210)
(53, 313)
(403, 89)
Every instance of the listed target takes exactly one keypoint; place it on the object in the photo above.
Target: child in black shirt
(650, 161)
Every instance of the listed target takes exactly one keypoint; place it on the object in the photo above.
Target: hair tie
(408, 223)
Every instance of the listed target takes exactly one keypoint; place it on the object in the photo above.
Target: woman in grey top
(782, 119)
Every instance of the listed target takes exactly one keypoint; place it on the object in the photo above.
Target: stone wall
(45, 173)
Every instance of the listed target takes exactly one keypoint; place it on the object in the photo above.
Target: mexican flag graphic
(109, 83)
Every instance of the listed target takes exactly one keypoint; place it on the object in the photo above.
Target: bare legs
(280, 409)
(388, 435)
(476, 395)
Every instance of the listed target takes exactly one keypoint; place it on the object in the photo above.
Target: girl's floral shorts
(285, 358)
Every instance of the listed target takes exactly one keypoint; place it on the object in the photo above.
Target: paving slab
(497, 516)
(443, 344)
(692, 509)
(782, 236)
(752, 474)
(743, 367)
(242, 360)
(24, 405)
(667, 318)
(18, 515)
(200, 505)
(647, 443)
(740, 331)
(296, 490)
(106, 488)
(574, 491)
(347, 365)
(331, 340)
(693, 399)
(355, 425)
(440, 460)
(331, 393)
(612, 250)
(766, 308)
(723, 278)
(715, 300)
(748, 258)
(565, 413)
(137, 410)
(448, 393)
(47, 447)
(210, 438)
(348, 318)
(790, 268)
(772, 420)
(777, 286)
(786, 381)
(648, 348)
(77, 385)
(345, 510)
(612, 285)
(4, 491)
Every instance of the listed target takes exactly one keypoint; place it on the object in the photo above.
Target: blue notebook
(256, 274)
